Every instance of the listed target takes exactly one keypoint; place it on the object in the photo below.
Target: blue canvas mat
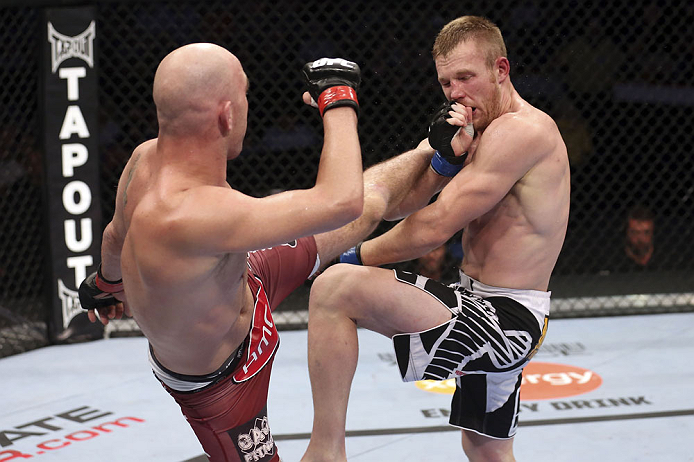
(615, 389)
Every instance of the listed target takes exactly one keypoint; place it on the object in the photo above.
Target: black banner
(70, 117)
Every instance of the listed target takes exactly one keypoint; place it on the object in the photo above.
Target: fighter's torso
(194, 309)
(516, 243)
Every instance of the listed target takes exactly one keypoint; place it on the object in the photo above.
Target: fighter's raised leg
(343, 298)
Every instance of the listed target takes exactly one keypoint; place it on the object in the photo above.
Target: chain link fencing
(617, 78)
(22, 307)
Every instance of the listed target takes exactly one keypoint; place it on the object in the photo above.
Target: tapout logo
(63, 47)
(70, 119)
(540, 381)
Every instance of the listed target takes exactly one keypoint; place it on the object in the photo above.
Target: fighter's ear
(503, 68)
(225, 118)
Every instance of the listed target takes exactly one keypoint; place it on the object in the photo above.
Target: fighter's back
(188, 303)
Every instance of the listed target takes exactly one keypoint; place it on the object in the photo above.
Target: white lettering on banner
(76, 194)
(80, 189)
(74, 155)
(73, 124)
(72, 74)
(71, 240)
(80, 265)
(80, 46)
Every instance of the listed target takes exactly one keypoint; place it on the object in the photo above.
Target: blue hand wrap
(352, 256)
(443, 167)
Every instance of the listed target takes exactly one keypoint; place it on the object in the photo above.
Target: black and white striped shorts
(489, 339)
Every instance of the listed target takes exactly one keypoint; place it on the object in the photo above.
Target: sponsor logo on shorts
(254, 440)
(540, 381)
(264, 338)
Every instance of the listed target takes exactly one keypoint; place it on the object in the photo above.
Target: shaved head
(193, 84)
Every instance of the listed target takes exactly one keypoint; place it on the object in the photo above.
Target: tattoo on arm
(130, 178)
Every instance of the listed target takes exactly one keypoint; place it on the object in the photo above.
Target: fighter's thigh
(375, 300)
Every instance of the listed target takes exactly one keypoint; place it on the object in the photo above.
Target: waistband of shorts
(191, 383)
(537, 301)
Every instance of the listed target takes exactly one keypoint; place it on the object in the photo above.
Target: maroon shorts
(229, 414)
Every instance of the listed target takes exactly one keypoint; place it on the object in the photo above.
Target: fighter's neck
(510, 99)
(194, 158)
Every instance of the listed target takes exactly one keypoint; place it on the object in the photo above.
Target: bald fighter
(201, 266)
(507, 184)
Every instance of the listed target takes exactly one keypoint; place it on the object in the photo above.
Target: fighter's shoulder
(141, 150)
(530, 128)
(144, 148)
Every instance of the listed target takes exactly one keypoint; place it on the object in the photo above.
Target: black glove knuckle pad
(441, 134)
(91, 297)
(326, 73)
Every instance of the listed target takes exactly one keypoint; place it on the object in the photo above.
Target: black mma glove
(441, 133)
(97, 292)
(332, 82)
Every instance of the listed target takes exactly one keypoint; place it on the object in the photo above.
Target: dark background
(616, 76)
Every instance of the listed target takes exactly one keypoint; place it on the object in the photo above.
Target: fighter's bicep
(118, 221)
(461, 202)
(500, 161)
(508, 150)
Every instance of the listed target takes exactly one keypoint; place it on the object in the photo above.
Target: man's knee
(334, 287)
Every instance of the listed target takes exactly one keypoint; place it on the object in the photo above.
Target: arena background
(618, 77)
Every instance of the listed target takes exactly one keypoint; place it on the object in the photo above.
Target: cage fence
(616, 77)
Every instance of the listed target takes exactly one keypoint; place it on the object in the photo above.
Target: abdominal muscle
(501, 249)
(194, 322)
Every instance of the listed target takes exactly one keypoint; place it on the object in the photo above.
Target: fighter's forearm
(392, 189)
(333, 243)
(111, 247)
(405, 183)
(413, 237)
(339, 180)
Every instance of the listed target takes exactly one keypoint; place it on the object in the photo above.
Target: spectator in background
(639, 250)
